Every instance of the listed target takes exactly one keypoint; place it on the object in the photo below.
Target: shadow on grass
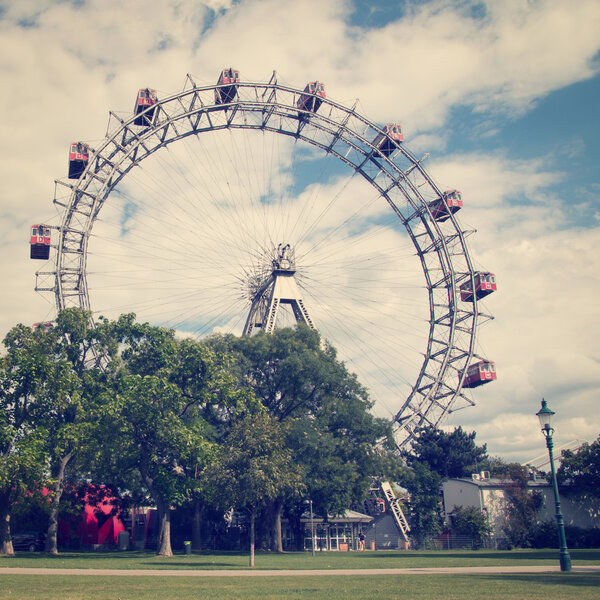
(67, 554)
(546, 554)
(198, 564)
(571, 579)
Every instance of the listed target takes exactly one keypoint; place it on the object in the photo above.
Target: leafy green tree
(579, 470)
(424, 487)
(473, 523)
(153, 419)
(523, 503)
(450, 454)
(330, 429)
(433, 456)
(60, 366)
(71, 389)
(255, 467)
(23, 371)
(146, 415)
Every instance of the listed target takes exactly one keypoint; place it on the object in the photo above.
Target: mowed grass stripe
(554, 586)
(299, 560)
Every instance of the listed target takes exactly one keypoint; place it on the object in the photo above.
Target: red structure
(39, 242)
(99, 522)
(144, 107)
(479, 373)
(229, 78)
(43, 327)
(79, 155)
(311, 99)
(388, 141)
(449, 203)
(485, 283)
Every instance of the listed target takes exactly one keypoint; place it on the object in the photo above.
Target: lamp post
(312, 529)
(545, 416)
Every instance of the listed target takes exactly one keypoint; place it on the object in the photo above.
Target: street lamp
(545, 416)
(312, 530)
(312, 526)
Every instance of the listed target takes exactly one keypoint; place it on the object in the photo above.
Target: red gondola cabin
(388, 141)
(481, 372)
(449, 203)
(43, 327)
(311, 99)
(79, 155)
(145, 107)
(229, 78)
(39, 242)
(485, 283)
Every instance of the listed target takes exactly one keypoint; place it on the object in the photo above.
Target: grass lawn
(554, 586)
(298, 560)
(542, 586)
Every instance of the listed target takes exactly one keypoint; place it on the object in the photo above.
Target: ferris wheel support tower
(278, 288)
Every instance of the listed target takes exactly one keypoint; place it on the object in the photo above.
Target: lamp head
(545, 416)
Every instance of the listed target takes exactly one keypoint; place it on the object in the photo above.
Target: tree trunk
(196, 526)
(276, 535)
(164, 537)
(252, 518)
(163, 547)
(6, 547)
(52, 533)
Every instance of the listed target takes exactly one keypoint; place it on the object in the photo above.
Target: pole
(565, 559)
(312, 530)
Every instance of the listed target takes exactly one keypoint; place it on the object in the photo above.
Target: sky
(501, 95)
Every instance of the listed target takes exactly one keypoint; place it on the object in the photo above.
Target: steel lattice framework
(337, 131)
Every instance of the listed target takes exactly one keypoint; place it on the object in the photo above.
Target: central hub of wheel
(269, 288)
(284, 260)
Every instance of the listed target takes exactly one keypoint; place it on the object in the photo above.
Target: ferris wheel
(239, 206)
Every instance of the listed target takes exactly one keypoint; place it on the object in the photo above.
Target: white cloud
(544, 339)
(73, 62)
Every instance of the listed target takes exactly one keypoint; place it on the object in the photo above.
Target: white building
(489, 495)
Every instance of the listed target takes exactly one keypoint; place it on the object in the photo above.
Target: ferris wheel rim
(432, 396)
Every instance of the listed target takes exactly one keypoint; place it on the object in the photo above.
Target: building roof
(494, 482)
(348, 516)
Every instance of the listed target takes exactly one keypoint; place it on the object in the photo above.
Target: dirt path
(290, 573)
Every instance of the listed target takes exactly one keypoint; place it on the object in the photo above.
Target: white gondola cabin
(388, 141)
(39, 242)
(449, 203)
(485, 283)
(311, 99)
(79, 155)
(145, 104)
(479, 373)
(228, 79)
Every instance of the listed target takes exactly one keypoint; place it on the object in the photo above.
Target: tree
(45, 373)
(473, 523)
(23, 372)
(55, 372)
(579, 471)
(523, 503)
(153, 416)
(435, 455)
(330, 429)
(254, 467)
(424, 486)
(70, 391)
(450, 455)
